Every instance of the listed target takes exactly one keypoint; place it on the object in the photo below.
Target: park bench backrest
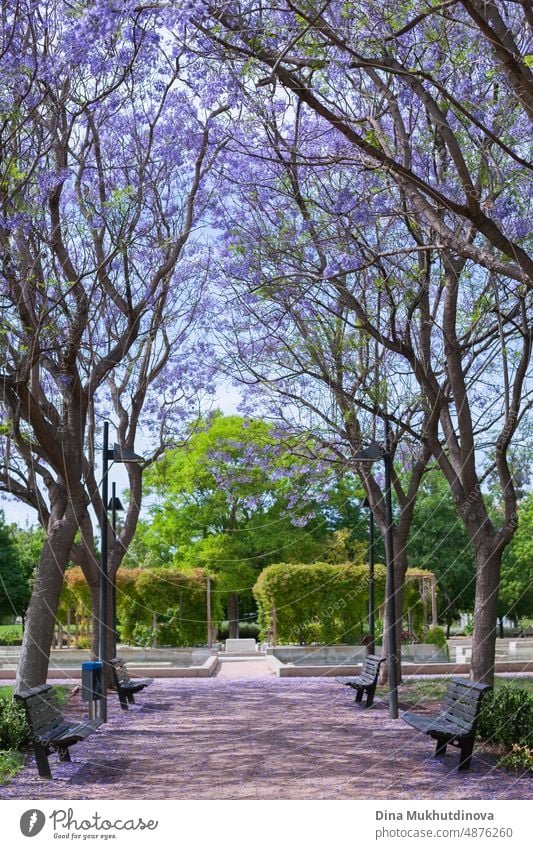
(119, 669)
(370, 668)
(42, 711)
(462, 703)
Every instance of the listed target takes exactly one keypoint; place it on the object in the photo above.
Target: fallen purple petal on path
(262, 738)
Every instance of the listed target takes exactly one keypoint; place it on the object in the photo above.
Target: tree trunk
(40, 620)
(488, 562)
(400, 568)
(233, 615)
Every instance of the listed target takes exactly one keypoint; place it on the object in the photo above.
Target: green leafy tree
(439, 542)
(516, 586)
(233, 500)
(20, 549)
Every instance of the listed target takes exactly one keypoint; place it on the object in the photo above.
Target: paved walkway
(263, 738)
(249, 667)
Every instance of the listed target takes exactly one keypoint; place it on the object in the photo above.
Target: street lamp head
(370, 454)
(115, 504)
(124, 455)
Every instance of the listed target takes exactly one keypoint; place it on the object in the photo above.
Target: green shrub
(11, 762)
(247, 630)
(14, 731)
(506, 717)
(436, 637)
(143, 635)
(10, 638)
(519, 758)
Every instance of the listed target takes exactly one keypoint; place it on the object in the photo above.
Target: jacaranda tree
(103, 166)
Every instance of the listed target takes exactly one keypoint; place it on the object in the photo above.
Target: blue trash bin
(92, 681)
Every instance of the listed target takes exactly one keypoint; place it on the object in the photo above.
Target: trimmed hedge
(316, 603)
(178, 600)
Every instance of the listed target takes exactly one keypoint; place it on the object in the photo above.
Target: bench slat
(465, 703)
(456, 709)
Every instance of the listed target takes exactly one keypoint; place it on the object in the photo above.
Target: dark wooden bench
(367, 680)
(124, 685)
(50, 730)
(457, 721)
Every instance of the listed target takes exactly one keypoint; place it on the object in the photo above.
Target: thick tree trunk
(233, 615)
(400, 568)
(488, 563)
(40, 620)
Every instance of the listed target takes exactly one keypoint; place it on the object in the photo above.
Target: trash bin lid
(92, 664)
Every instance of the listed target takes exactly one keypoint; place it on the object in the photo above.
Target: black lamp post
(371, 601)
(115, 455)
(115, 506)
(376, 451)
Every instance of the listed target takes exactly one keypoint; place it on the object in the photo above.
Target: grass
(12, 760)
(16, 628)
(433, 689)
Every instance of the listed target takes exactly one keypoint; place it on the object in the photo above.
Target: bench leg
(370, 696)
(466, 755)
(122, 697)
(41, 758)
(131, 699)
(64, 755)
(440, 750)
(359, 694)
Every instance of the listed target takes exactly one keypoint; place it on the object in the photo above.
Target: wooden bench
(457, 721)
(50, 730)
(124, 685)
(367, 680)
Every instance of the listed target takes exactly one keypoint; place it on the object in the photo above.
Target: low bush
(519, 758)
(11, 762)
(11, 638)
(247, 630)
(436, 637)
(14, 731)
(506, 717)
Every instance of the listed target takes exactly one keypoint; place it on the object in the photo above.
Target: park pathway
(258, 738)
(243, 667)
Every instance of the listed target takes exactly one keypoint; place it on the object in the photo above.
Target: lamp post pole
(370, 454)
(113, 580)
(390, 587)
(209, 624)
(102, 633)
(371, 645)
(371, 602)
